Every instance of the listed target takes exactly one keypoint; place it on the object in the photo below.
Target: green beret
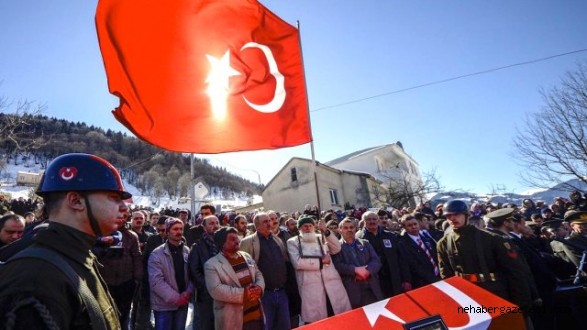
(303, 220)
(500, 215)
(576, 217)
(552, 224)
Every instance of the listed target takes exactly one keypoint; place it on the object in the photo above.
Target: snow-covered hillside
(9, 187)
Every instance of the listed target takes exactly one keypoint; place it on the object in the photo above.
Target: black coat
(421, 269)
(199, 254)
(393, 271)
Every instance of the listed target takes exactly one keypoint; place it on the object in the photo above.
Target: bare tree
(553, 145)
(17, 132)
(402, 190)
(172, 177)
(184, 183)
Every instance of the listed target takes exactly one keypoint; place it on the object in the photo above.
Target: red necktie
(429, 255)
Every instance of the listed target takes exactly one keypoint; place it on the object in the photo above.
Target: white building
(28, 178)
(389, 164)
(294, 186)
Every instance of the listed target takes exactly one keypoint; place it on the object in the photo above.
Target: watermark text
(480, 309)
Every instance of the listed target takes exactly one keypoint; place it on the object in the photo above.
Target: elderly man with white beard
(321, 288)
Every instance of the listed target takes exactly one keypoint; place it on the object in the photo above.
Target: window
(294, 174)
(333, 197)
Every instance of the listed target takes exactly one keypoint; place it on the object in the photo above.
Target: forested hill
(152, 170)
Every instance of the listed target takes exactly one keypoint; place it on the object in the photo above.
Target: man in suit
(418, 252)
(358, 265)
(393, 270)
(235, 283)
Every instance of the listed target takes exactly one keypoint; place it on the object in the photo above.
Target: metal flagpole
(314, 169)
(192, 189)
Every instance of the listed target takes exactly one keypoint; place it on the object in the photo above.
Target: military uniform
(40, 296)
(574, 254)
(487, 260)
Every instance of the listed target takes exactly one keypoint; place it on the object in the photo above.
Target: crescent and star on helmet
(68, 173)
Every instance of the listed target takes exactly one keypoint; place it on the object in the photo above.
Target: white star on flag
(220, 72)
(377, 309)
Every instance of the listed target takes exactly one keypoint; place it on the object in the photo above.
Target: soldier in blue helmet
(54, 283)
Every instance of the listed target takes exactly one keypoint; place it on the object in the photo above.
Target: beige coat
(224, 287)
(315, 283)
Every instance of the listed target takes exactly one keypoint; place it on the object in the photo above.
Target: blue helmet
(81, 172)
(455, 206)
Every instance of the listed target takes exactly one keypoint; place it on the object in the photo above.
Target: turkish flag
(204, 76)
(460, 304)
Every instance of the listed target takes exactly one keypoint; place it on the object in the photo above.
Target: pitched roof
(353, 154)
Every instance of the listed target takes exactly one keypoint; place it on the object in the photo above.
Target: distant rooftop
(355, 154)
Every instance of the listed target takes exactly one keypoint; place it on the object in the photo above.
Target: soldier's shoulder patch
(512, 254)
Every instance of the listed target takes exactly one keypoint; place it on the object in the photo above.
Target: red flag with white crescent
(204, 76)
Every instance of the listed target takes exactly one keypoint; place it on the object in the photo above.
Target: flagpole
(192, 191)
(314, 169)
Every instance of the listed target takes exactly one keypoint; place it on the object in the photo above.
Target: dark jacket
(421, 269)
(393, 271)
(199, 254)
(574, 254)
(120, 265)
(41, 283)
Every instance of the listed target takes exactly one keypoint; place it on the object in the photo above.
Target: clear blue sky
(352, 50)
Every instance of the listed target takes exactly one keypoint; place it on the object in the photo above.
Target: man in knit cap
(235, 283)
(322, 292)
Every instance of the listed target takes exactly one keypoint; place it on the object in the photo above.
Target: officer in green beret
(578, 222)
(553, 231)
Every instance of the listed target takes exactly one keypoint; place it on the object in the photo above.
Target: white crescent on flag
(279, 96)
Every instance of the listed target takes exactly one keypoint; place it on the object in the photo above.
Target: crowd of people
(268, 269)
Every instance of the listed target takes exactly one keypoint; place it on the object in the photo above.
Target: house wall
(387, 164)
(28, 179)
(284, 195)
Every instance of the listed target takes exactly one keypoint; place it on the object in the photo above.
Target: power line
(447, 80)
(143, 161)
